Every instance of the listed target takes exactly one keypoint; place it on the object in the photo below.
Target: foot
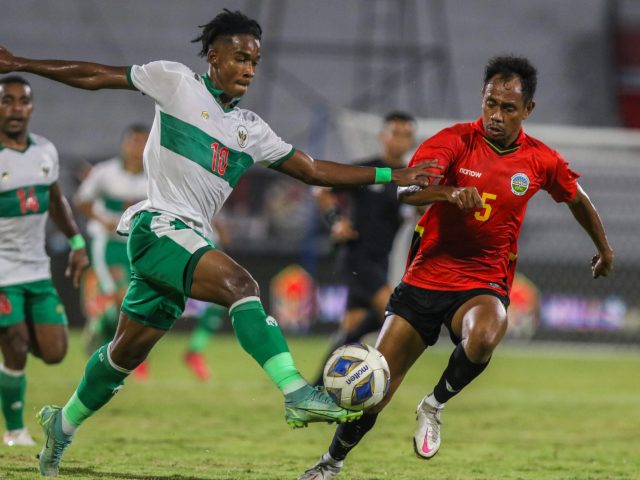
(325, 469)
(56, 441)
(426, 439)
(18, 438)
(309, 404)
(197, 364)
(141, 372)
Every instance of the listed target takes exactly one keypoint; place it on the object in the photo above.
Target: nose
(250, 71)
(496, 116)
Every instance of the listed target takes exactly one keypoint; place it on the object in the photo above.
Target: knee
(15, 356)
(53, 354)
(243, 285)
(483, 339)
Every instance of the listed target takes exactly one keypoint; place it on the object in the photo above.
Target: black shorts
(363, 279)
(427, 310)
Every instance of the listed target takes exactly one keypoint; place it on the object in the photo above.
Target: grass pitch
(553, 412)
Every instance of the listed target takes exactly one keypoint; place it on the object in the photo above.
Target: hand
(466, 198)
(416, 175)
(78, 261)
(343, 231)
(602, 264)
(7, 61)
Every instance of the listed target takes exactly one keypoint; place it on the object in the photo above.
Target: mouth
(494, 130)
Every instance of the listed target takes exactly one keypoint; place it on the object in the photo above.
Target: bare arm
(587, 216)
(86, 75)
(466, 198)
(60, 213)
(88, 210)
(332, 174)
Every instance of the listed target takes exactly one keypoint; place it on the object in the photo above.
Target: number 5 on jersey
(219, 158)
(484, 214)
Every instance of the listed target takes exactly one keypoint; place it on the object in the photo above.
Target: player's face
(133, 147)
(16, 106)
(504, 109)
(397, 137)
(233, 63)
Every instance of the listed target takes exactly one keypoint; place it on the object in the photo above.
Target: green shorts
(36, 302)
(163, 253)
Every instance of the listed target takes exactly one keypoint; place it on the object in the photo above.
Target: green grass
(536, 413)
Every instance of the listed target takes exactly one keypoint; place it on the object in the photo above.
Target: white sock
(432, 402)
(67, 428)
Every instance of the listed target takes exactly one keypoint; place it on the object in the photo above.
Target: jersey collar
(479, 127)
(29, 143)
(216, 92)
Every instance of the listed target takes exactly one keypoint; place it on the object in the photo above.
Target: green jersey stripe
(115, 204)
(27, 200)
(192, 143)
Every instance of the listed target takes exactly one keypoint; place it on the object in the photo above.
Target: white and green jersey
(197, 151)
(25, 181)
(111, 189)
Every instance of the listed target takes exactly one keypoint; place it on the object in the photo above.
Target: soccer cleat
(197, 364)
(56, 441)
(325, 469)
(18, 438)
(426, 439)
(309, 404)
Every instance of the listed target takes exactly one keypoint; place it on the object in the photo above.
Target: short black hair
(226, 24)
(508, 66)
(14, 79)
(399, 116)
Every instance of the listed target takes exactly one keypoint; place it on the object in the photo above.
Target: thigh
(49, 342)
(401, 346)
(217, 278)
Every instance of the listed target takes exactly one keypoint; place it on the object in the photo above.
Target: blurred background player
(364, 222)
(462, 263)
(108, 190)
(32, 318)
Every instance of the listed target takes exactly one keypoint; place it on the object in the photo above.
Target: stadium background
(329, 71)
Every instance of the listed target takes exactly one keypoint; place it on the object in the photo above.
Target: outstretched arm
(60, 213)
(332, 174)
(587, 216)
(86, 75)
(466, 198)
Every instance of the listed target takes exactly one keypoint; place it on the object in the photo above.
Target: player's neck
(17, 142)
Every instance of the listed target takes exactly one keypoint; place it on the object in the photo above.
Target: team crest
(5, 176)
(205, 115)
(242, 136)
(519, 184)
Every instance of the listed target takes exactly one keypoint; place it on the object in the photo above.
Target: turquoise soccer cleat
(309, 404)
(56, 441)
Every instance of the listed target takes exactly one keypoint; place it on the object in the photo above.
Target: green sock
(102, 379)
(261, 337)
(208, 323)
(13, 386)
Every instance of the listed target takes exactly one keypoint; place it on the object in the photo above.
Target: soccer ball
(356, 376)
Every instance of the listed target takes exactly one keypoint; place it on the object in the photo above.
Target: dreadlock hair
(226, 24)
(509, 66)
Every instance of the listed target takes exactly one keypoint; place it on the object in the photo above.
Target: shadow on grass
(91, 473)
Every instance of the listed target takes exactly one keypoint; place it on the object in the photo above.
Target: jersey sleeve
(159, 79)
(562, 182)
(91, 187)
(272, 151)
(444, 146)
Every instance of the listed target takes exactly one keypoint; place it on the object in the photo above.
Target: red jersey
(463, 250)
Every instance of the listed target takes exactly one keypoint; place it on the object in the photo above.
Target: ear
(212, 57)
(529, 108)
